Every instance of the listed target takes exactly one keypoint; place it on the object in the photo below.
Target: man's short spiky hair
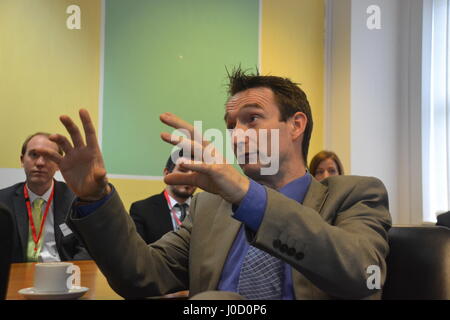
(288, 96)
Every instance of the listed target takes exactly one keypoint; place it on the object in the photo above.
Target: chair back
(418, 264)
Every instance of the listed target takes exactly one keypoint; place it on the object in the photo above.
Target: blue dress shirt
(251, 213)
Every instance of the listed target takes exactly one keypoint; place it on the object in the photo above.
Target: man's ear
(21, 161)
(298, 122)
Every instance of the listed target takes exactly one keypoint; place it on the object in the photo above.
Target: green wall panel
(168, 56)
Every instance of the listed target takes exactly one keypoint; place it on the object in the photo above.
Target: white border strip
(131, 177)
(102, 74)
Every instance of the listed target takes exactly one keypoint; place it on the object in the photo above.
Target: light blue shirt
(251, 213)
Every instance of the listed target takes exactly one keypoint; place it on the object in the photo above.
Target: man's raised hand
(218, 178)
(82, 163)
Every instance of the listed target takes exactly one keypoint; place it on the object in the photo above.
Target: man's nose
(238, 143)
(238, 134)
(235, 132)
(326, 174)
(40, 161)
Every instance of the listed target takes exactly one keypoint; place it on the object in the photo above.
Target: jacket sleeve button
(276, 243)
(291, 252)
(283, 248)
(299, 255)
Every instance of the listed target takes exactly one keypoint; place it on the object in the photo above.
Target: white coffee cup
(52, 277)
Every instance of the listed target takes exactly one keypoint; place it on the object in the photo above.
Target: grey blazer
(330, 241)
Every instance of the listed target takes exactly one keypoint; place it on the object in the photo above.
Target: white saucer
(32, 294)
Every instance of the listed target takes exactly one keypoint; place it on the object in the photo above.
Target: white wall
(337, 86)
(10, 177)
(381, 113)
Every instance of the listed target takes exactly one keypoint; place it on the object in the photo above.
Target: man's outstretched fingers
(181, 125)
(180, 141)
(50, 154)
(62, 141)
(172, 139)
(175, 122)
(89, 129)
(186, 144)
(195, 166)
(73, 130)
(177, 178)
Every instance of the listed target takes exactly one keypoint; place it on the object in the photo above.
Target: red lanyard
(36, 238)
(166, 195)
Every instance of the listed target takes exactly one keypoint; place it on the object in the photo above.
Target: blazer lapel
(223, 233)
(21, 213)
(316, 195)
(314, 199)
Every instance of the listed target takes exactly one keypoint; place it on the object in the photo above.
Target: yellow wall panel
(292, 45)
(45, 69)
(134, 190)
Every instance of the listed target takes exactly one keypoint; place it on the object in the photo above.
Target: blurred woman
(325, 164)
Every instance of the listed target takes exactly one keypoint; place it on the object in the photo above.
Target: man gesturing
(277, 236)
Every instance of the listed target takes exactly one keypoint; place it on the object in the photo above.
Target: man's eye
(253, 118)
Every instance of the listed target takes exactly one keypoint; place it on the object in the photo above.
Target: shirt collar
(297, 189)
(45, 196)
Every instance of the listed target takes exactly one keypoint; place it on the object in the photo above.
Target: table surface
(22, 276)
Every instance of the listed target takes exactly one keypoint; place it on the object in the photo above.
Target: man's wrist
(252, 207)
(91, 199)
(242, 191)
(84, 209)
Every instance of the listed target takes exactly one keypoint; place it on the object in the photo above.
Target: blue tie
(261, 276)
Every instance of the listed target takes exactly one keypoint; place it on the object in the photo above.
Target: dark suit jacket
(330, 240)
(69, 247)
(152, 217)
